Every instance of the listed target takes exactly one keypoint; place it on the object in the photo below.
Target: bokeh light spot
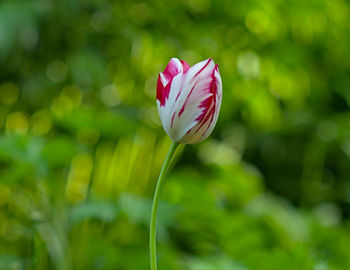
(100, 20)
(141, 13)
(257, 22)
(110, 95)
(248, 65)
(327, 131)
(218, 153)
(40, 122)
(57, 71)
(8, 93)
(79, 177)
(16, 123)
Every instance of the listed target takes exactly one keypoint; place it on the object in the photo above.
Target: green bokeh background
(81, 142)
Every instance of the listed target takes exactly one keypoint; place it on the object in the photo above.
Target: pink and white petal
(207, 129)
(185, 66)
(195, 137)
(217, 107)
(166, 110)
(181, 125)
(201, 106)
(189, 117)
(219, 82)
(210, 104)
(201, 68)
(197, 81)
(204, 122)
(174, 67)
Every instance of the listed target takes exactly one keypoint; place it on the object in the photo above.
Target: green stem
(152, 231)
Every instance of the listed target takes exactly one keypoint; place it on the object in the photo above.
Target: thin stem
(152, 232)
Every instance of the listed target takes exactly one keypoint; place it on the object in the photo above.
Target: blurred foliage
(81, 143)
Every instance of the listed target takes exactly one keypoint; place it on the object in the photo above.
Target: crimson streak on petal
(165, 78)
(185, 66)
(187, 98)
(209, 104)
(163, 92)
(206, 64)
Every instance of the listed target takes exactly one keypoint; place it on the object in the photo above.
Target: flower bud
(189, 99)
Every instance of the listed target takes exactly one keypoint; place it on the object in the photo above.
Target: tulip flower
(188, 101)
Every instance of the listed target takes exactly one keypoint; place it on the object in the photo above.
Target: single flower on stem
(188, 101)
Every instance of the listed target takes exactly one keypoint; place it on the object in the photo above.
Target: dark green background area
(81, 143)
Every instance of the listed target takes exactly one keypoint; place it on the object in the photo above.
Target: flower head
(189, 99)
